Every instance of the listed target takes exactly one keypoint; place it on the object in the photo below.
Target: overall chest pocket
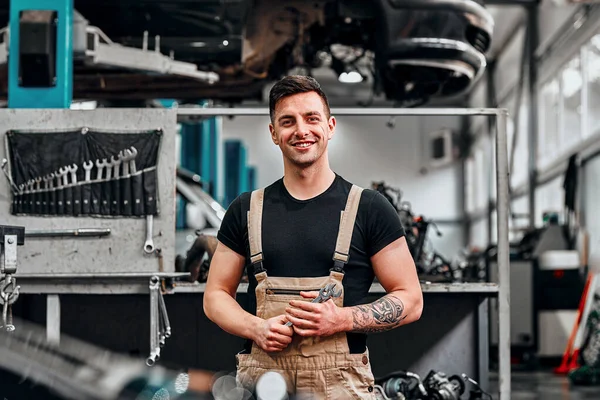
(286, 295)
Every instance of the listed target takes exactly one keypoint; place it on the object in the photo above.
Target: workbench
(451, 336)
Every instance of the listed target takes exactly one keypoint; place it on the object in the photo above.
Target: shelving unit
(464, 339)
(486, 289)
(451, 336)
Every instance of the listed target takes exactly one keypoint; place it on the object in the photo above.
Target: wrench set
(83, 172)
(108, 186)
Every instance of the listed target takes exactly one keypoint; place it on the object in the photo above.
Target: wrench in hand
(326, 293)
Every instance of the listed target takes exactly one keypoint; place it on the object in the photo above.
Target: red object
(569, 361)
(559, 273)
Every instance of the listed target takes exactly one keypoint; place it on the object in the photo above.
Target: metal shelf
(103, 275)
(489, 289)
(90, 283)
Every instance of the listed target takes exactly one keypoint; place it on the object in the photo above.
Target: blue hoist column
(200, 153)
(239, 176)
(40, 62)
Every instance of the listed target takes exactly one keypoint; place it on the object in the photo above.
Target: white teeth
(303, 144)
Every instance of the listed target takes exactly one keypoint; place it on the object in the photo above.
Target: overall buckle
(338, 266)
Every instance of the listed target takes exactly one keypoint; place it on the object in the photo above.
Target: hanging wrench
(115, 206)
(63, 173)
(73, 171)
(87, 166)
(115, 164)
(126, 156)
(68, 190)
(38, 195)
(86, 189)
(100, 165)
(46, 196)
(149, 245)
(133, 154)
(76, 190)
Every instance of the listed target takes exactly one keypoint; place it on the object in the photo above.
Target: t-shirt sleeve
(383, 224)
(231, 232)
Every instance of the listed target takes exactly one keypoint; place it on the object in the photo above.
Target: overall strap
(342, 245)
(255, 230)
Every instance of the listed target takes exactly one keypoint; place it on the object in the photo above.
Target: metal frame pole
(199, 112)
(532, 43)
(502, 198)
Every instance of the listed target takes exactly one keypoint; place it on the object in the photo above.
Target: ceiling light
(350, 77)
(198, 44)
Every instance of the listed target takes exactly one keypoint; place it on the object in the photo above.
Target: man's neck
(304, 184)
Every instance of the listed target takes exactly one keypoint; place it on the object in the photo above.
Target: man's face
(301, 128)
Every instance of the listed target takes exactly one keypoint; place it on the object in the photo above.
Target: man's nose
(302, 129)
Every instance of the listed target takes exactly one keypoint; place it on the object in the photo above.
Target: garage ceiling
(210, 34)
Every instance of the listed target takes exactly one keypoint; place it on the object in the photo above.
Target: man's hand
(273, 335)
(316, 319)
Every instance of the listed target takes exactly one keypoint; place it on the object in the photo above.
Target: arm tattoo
(381, 315)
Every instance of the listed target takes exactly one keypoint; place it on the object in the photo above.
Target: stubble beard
(303, 161)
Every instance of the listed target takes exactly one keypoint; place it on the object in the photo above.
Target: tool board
(121, 251)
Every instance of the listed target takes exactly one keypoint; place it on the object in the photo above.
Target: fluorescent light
(198, 44)
(350, 77)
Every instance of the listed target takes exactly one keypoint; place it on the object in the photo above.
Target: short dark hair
(294, 84)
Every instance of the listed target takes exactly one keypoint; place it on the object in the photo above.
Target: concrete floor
(545, 386)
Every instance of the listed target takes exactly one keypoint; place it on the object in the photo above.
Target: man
(306, 230)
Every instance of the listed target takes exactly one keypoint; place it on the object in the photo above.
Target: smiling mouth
(303, 145)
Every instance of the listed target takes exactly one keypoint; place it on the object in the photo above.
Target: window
(520, 164)
(592, 53)
(482, 171)
(549, 123)
(520, 175)
(571, 84)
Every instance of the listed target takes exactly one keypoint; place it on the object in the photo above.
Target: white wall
(591, 197)
(364, 150)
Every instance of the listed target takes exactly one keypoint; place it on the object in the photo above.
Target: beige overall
(313, 367)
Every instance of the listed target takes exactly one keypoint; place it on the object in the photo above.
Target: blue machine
(23, 92)
(236, 171)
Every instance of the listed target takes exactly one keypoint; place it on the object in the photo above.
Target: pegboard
(152, 131)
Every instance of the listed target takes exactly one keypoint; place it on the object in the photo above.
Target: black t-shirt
(299, 236)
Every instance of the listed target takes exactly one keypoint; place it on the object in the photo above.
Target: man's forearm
(383, 314)
(226, 312)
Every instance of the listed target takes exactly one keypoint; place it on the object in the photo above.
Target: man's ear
(273, 134)
(331, 125)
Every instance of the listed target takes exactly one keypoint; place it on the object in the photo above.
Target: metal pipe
(532, 43)
(504, 371)
(53, 319)
(491, 102)
(211, 112)
(81, 232)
